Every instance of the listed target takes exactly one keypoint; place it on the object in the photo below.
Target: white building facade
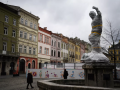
(64, 51)
(44, 46)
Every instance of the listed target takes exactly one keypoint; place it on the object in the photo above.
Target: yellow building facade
(117, 54)
(77, 53)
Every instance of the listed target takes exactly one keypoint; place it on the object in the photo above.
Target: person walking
(29, 80)
(65, 74)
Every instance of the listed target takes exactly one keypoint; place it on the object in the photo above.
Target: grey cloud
(69, 16)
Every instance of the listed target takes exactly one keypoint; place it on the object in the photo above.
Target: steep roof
(8, 8)
(23, 10)
(45, 30)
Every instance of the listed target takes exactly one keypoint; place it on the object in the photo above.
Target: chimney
(45, 28)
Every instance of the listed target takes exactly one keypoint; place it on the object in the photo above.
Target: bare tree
(109, 38)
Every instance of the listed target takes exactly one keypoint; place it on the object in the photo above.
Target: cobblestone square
(16, 83)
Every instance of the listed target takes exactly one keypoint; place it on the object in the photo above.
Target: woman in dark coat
(65, 74)
(29, 80)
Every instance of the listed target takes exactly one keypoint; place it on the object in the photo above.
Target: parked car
(15, 73)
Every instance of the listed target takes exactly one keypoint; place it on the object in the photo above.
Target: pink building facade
(55, 49)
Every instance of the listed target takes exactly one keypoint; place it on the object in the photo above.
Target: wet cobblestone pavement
(16, 83)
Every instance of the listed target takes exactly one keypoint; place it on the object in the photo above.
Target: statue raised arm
(94, 38)
(97, 10)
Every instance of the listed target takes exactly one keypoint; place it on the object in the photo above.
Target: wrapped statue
(96, 54)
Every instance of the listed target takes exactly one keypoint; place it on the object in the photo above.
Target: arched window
(33, 64)
(29, 65)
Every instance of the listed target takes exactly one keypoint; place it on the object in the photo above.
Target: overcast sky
(70, 17)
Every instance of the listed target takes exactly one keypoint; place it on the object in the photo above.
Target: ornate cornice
(23, 28)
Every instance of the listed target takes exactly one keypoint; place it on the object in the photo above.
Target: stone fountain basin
(69, 84)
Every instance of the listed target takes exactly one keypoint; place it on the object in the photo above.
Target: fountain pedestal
(98, 74)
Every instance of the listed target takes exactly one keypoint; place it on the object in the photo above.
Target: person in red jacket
(29, 80)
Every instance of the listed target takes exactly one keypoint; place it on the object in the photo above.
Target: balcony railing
(65, 58)
(72, 56)
(9, 53)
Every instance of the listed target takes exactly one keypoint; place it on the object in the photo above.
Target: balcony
(65, 59)
(72, 56)
(9, 53)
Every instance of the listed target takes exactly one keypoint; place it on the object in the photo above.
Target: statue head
(92, 14)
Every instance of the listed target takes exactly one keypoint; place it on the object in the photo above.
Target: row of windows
(33, 65)
(71, 46)
(5, 47)
(71, 60)
(22, 35)
(77, 49)
(77, 56)
(6, 32)
(25, 36)
(46, 50)
(26, 23)
(54, 44)
(7, 20)
(23, 49)
(116, 52)
(64, 46)
(116, 58)
(71, 53)
(53, 53)
(47, 39)
(64, 54)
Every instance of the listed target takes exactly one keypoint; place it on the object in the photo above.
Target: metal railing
(71, 56)
(62, 65)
